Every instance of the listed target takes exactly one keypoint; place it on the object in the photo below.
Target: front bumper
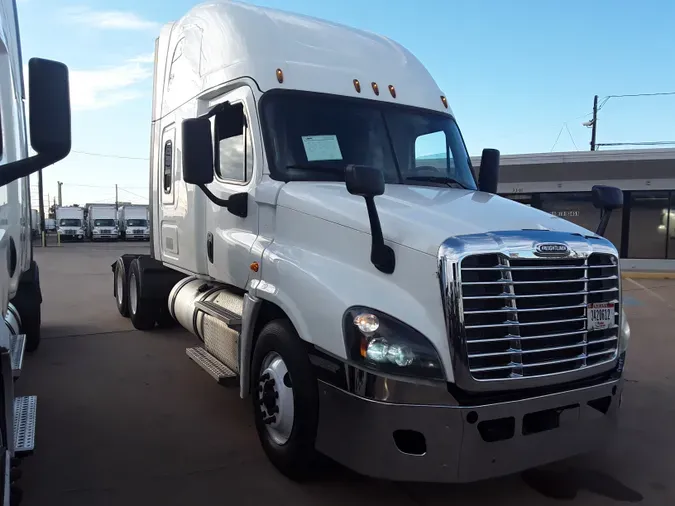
(137, 237)
(504, 438)
(105, 236)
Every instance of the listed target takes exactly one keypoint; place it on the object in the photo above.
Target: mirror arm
(604, 221)
(25, 167)
(381, 255)
(237, 204)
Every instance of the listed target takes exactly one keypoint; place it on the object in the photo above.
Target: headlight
(380, 342)
(624, 334)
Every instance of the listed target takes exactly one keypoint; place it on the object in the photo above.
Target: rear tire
(142, 311)
(121, 288)
(284, 388)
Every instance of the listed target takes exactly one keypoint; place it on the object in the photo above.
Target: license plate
(600, 315)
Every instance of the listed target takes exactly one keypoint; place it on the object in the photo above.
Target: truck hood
(421, 217)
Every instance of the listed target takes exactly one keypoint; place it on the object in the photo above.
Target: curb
(647, 275)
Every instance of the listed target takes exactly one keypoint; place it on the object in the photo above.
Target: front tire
(28, 302)
(285, 400)
(142, 311)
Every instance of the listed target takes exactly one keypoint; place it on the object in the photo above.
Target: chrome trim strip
(517, 245)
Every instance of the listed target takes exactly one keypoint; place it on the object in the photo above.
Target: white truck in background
(133, 222)
(20, 295)
(102, 224)
(396, 316)
(70, 223)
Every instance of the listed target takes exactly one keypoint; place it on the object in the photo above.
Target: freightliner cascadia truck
(317, 224)
(48, 99)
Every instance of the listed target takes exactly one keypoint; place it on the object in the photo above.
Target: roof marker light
(445, 101)
(392, 90)
(357, 86)
(376, 88)
(280, 76)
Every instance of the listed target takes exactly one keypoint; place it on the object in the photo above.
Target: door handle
(209, 246)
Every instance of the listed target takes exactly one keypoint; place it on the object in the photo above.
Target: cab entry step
(17, 345)
(219, 371)
(24, 424)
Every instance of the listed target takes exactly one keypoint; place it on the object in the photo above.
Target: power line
(557, 138)
(655, 94)
(134, 194)
(572, 138)
(104, 155)
(645, 143)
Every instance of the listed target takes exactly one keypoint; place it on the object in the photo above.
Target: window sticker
(321, 147)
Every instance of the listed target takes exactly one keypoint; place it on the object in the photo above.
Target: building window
(233, 149)
(578, 208)
(649, 212)
(668, 225)
(168, 165)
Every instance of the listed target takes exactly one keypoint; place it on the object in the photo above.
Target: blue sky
(515, 72)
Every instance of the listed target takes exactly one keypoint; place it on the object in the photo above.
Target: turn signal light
(255, 266)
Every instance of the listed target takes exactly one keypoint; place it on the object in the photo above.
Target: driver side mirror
(49, 119)
(488, 178)
(198, 164)
(197, 151)
(607, 199)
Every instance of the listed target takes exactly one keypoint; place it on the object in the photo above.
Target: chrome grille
(529, 317)
(106, 231)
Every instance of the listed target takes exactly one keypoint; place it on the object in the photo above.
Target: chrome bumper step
(24, 424)
(219, 371)
(17, 345)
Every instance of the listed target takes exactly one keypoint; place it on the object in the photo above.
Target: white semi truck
(20, 295)
(133, 222)
(102, 219)
(396, 316)
(70, 223)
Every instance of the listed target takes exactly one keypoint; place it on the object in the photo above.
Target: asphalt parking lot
(125, 418)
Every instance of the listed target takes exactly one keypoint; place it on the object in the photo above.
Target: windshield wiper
(436, 179)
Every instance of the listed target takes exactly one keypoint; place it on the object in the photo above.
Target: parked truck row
(395, 315)
(103, 222)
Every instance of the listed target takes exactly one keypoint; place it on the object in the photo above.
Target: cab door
(237, 165)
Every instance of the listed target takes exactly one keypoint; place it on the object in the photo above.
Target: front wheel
(285, 400)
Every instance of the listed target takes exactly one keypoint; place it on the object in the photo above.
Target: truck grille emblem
(550, 249)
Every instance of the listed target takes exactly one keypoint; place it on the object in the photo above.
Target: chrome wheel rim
(275, 398)
(119, 280)
(133, 293)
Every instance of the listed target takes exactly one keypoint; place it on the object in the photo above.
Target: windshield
(104, 223)
(137, 223)
(314, 137)
(69, 222)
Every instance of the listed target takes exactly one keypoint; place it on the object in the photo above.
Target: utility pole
(116, 200)
(41, 201)
(60, 195)
(594, 122)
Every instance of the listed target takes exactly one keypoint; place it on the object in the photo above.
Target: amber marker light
(255, 266)
(376, 88)
(280, 76)
(357, 86)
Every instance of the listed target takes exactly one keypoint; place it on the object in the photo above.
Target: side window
(233, 149)
(431, 150)
(168, 165)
